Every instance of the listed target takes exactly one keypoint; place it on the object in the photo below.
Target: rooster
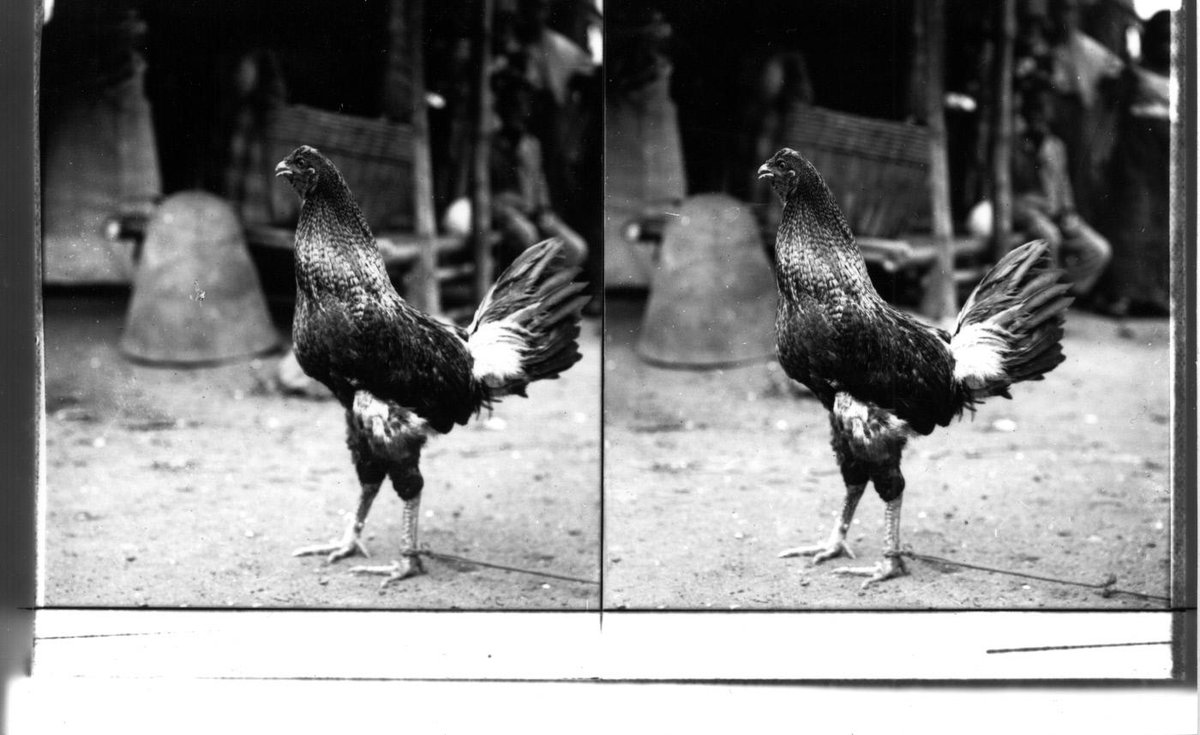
(400, 374)
(883, 376)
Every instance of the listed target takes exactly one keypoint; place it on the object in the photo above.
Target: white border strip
(617, 646)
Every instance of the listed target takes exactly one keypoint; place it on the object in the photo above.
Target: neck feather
(335, 250)
(815, 252)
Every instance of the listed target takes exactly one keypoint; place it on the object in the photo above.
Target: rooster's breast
(806, 344)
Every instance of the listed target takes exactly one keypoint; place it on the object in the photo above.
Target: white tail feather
(979, 351)
(498, 349)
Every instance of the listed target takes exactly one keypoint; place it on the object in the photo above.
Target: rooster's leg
(408, 482)
(351, 542)
(409, 563)
(891, 565)
(836, 545)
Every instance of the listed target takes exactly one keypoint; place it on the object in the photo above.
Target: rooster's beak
(283, 169)
(765, 172)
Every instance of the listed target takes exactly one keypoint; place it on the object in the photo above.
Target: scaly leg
(394, 436)
(891, 565)
(836, 545)
(351, 543)
(409, 563)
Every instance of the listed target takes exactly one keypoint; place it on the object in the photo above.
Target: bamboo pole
(424, 219)
(1002, 126)
(403, 99)
(940, 299)
(396, 98)
(481, 195)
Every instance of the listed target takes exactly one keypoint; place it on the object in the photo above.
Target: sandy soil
(709, 474)
(169, 487)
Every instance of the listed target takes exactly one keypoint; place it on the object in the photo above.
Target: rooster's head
(306, 169)
(788, 171)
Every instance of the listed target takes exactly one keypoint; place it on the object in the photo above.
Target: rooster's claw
(406, 566)
(820, 552)
(336, 551)
(889, 567)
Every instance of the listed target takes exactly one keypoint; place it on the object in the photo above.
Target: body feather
(881, 374)
(353, 331)
(399, 372)
(835, 334)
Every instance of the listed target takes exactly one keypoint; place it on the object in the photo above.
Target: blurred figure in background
(1083, 75)
(564, 114)
(521, 206)
(1044, 201)
(1138, 219)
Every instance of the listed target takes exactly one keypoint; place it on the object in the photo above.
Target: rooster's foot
(820, 552)
(888, 568)
(406, 566)
(336, 551)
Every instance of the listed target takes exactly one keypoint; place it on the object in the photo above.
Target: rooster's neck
(335, 252)
(815, 253)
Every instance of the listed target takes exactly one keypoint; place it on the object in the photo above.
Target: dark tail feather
(1020, 307)
(538, 295)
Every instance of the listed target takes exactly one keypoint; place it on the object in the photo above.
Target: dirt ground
(191, 487)
(708, 475)
(169, 487)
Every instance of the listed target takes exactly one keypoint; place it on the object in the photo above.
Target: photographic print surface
(231, 423)
(189, 451)
(240, 357)
(719, 457)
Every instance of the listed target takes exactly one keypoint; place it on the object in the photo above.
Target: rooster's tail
(1010, 327)
(527, 326)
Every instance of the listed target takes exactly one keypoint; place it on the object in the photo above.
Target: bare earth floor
(708, 475)
(172, 487)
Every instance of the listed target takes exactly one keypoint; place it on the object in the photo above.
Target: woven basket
(373, 155)
(877, 169)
